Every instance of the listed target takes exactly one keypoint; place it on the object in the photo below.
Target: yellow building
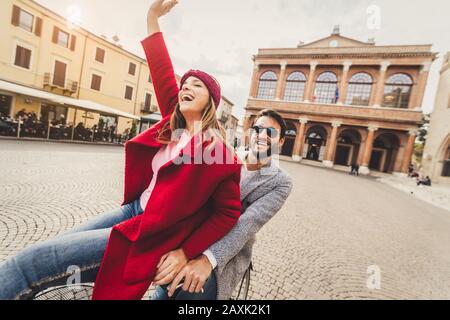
(61, 71)
(226, 118)
(65, 73)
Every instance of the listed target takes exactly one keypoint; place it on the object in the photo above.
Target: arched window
(397, 91)
(359, 89)
(291, 134)
(295, 87)
(326, 88)
(267, 86)
(291, 130)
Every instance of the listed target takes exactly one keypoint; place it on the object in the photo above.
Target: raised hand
(160, 8)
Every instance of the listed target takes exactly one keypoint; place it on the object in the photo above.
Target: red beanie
(210, 82)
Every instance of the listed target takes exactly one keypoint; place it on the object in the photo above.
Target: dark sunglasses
(271, 132)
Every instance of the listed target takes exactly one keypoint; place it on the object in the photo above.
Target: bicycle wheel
(72, 292)
(244, 287)
(76, 292)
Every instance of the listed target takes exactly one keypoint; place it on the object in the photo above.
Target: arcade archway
(445, 158)
(291, 135)
(385, 152)
(348, 146)
(315, 144)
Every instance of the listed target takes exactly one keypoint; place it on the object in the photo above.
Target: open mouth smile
(187, 98)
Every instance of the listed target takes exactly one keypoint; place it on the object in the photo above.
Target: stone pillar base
(400, 174)
(364, 170)
(297, 158)
(328, 163)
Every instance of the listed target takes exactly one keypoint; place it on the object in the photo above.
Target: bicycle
(84, 291)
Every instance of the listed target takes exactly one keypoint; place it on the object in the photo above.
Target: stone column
(300, 141)
(281, 80)
(344, 85)
(409, 150)
(331, 151)
(419, 89)
(309, 93)
(379, 89)
(368, 147)
(255, 81)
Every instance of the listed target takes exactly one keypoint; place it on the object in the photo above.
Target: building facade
(43, 51)
(436, 158)
(345, 101)
(44, 57)
(226, 118)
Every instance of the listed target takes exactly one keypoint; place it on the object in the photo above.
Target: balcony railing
(67, 86)
(148, 108)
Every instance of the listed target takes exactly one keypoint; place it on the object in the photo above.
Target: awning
(154, 117)
(71, 102)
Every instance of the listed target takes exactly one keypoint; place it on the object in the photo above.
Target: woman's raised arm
(161, 68)
(158, 9)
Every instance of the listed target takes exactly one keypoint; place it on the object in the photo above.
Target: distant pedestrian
(21, 114)
(355, 169)
(424, 182)
(411, 170)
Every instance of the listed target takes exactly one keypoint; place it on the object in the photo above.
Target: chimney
(371, 41)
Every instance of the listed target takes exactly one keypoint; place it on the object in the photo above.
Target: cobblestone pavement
(437, 194)
(319, 246)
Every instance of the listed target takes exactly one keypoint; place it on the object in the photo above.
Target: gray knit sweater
(263, 194)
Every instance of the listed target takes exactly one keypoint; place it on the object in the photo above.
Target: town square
(335, 129)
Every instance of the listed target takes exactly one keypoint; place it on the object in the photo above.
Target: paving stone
(319, 246)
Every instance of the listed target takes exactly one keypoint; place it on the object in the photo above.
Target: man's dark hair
(275, 116)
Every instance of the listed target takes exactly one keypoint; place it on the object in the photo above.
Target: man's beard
(264, 155)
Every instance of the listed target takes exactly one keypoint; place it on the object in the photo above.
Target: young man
(264, 190)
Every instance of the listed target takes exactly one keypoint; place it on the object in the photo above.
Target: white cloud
(221, 36)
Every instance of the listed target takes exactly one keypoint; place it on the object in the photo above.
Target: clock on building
(334, 43)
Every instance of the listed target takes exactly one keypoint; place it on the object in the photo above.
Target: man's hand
(195, 275)
(169, 266)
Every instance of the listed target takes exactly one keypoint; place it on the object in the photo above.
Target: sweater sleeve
(227, 209)
(162, 73)
(250, 222)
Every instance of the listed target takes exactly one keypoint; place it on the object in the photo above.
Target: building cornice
(304, 110)
(430, 55)
(425, 48)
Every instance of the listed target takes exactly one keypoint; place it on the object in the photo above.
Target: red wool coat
(191, 207)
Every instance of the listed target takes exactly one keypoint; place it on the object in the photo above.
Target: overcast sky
(220, 37)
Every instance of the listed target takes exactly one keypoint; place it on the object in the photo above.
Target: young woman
(172, 210)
